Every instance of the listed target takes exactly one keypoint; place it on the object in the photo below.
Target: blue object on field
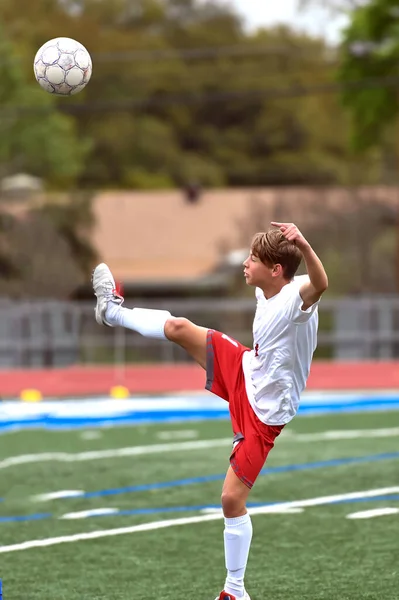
(1, 590)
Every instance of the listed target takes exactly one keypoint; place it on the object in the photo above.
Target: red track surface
(87, 381)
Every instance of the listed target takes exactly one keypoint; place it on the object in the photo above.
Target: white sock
(148, 322)
(237, 542)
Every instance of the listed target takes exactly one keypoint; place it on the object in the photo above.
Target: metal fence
(49, 333)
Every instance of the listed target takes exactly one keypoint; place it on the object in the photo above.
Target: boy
(262, 385)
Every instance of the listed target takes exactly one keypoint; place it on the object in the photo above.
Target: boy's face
(256, 273)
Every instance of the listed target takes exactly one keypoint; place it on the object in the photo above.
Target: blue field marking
(336, 462)
(20, 518)
(106, 412)
(180, 509)
(267, 471)
(146, 487)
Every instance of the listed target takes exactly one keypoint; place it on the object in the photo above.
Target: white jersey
(285, 338)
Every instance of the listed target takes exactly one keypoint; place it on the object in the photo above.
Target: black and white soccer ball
(62, 66)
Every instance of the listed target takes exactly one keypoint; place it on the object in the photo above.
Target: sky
(258, 13)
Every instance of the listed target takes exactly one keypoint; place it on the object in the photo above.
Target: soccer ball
(62, 66)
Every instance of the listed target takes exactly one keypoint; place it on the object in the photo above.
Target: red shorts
(225, 378)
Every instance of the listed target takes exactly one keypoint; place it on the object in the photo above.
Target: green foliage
(140, 179)
(48, 252)
(370, 54)
(154, 116)
(36, 138)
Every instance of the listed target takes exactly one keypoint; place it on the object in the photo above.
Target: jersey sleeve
(293, 306)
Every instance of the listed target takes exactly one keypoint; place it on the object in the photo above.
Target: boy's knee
(176, 328)
(233, 505)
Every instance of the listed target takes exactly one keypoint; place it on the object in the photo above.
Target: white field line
(376, 512)
(344, 434)
(277, 508)
(114, 453)
(178, 434)
(57, 496)
(103, 533)
(90, 434)
(83, 514)
(350, 434)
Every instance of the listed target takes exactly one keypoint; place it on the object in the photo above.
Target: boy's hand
(318, 282)
(292, 233)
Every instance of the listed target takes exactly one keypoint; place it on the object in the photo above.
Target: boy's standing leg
(237, 535)
(253, 441)
(160, 324)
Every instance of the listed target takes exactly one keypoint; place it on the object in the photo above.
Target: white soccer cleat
(105, 290)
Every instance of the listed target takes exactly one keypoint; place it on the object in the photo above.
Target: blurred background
(202, 122)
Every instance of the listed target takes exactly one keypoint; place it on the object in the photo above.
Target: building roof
(147, 236)
(153, 235)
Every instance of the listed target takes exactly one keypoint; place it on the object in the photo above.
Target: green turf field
(312, 553)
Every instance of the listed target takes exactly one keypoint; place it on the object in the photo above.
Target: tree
(43, 265)
(34, 136)
(181, 92)
(72, 218)
(46, 250)
(369, 70)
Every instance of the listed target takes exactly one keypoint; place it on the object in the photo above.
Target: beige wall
(147, 235)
